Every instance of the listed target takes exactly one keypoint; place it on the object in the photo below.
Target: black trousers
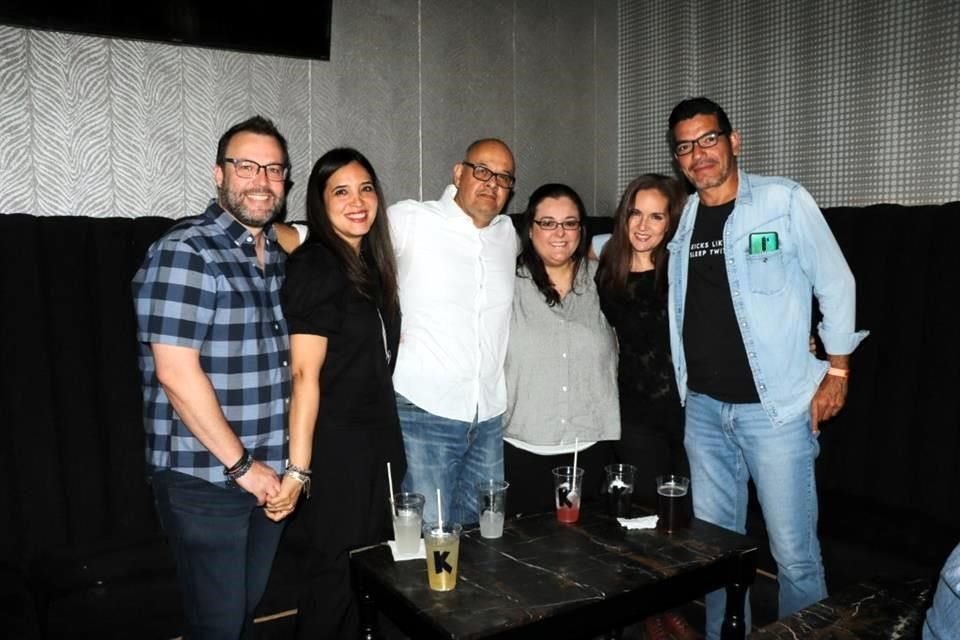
(654, 447)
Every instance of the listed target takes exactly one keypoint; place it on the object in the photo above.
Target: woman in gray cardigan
(561, 365)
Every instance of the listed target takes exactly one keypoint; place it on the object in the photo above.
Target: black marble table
(546, 579)
(874, 609)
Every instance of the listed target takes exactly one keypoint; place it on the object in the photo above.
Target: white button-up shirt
(456, 290)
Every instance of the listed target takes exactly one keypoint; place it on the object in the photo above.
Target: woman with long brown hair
(632, 281)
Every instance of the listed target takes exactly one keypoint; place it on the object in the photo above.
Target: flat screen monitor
(297, 29)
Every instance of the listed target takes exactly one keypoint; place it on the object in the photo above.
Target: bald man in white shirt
(456, 260)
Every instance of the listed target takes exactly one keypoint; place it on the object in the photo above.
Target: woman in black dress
(340, 302)
(632, 279)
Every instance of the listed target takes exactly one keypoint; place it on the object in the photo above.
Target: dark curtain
(75, 504)
(897, 442)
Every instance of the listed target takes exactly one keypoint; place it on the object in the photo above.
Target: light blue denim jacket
(772, 292)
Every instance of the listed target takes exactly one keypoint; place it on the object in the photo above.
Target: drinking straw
(576, 450)
(393, 506)
(439, 512)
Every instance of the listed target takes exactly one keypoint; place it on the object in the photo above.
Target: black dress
(651, 418)
(357, 432)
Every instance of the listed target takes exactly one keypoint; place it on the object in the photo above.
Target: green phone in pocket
(764, 242)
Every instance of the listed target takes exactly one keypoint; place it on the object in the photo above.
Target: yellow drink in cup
(443, 554)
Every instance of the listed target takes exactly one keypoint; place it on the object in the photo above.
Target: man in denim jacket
(748, 256)
(943, 617)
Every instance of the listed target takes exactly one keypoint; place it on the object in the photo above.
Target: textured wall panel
(281, 91)
(100, 127)
(467, 89)
(105, 127)
(146, 144)
(70, 122)
(366, 97)
(606, 192)
(846, 97)
(555, 98)
(16, 140)
(655, 65)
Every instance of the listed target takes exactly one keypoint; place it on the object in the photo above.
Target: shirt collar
(744, 193)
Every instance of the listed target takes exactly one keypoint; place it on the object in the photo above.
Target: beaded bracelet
(236, 465)
(243, 465)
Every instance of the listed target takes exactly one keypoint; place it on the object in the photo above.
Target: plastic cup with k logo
(442, 543)
(567, 487)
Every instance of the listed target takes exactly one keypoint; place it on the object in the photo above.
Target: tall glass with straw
(567, 487)
(442, 541)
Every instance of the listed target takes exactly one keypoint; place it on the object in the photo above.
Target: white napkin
(397, 557)
(646, 522)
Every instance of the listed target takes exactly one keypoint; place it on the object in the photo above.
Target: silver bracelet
(293, 467)
(302, 478)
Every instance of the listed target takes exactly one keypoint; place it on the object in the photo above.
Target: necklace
(383, 334)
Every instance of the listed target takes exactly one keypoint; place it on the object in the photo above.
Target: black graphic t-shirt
(716, 360)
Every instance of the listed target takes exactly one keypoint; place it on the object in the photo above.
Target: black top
(716, 360)
(319, 299)
(357, 430)
(645, 376)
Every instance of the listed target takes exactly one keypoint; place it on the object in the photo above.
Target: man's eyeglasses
(707, 140)
(249, 169)
(549, 224)
(483, 174)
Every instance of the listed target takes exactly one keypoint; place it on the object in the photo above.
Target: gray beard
(242, 213)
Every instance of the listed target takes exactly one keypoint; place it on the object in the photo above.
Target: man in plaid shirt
(214, 352)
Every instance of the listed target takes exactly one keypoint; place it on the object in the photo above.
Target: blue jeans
(449, 455)
(223, 545)
(727, 445)
(943, 618)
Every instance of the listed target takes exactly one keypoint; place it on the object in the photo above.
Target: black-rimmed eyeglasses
(549, 224)
(249, 169)
(483, 174)
(707, 140)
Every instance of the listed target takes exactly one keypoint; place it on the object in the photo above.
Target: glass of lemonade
(443, 554)
(407, 522)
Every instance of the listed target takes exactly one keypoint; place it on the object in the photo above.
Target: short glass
(618, 488)
(407, 522)
(492, 505)
(673, 502)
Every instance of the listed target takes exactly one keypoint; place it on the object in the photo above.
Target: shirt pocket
(766, 272)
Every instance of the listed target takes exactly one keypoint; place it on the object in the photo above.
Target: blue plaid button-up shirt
(200, 287)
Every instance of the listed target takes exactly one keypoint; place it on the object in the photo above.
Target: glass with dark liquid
(618, 489)
(673, 509)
